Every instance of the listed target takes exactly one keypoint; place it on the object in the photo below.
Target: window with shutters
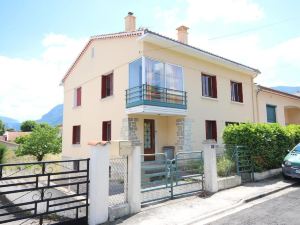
(107, 85)
(106, 130)
(271, 114)
(211, 130)
(76, 135)
(236, 91)
(209, 86)
(77, 97)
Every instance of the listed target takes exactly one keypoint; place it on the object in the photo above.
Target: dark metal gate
(49, 192)
(163, 179)
(244, 164)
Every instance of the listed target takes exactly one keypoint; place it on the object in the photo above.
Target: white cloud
(30, 87)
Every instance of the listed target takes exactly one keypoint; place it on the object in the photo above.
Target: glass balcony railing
(155, 96)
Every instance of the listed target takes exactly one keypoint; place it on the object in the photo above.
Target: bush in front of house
(266, 143)
(3, 148)
(225, 166)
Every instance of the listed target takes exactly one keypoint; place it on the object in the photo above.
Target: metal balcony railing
(155, 96)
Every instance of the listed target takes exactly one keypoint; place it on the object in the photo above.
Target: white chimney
(182, 34)
(130, 22)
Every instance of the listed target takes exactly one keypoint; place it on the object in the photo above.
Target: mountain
(54, 116)
(287, 89)
(10, 123)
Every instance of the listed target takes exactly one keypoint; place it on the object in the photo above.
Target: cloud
(30, 87)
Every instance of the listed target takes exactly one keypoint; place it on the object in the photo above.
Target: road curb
(239, 203)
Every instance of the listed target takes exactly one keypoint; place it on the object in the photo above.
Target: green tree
(2, 127)
(28, 125)
(43, 140)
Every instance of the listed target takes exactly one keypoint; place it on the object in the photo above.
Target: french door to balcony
(149, 139)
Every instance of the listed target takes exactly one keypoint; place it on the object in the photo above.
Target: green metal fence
(163, 179)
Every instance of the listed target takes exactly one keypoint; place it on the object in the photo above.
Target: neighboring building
(277, 107)
(10, 136)
(153, 90)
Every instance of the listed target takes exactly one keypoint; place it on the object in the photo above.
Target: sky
(39, 40)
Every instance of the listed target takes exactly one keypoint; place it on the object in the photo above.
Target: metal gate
(49, 192)
(244, 163)
(163, 179)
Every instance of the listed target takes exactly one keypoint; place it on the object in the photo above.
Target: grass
(225, 167)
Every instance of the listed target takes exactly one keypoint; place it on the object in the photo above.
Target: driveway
(283, 210)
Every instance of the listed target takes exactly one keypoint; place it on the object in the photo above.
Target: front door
(149, 139)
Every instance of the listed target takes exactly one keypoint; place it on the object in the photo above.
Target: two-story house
(153, 90)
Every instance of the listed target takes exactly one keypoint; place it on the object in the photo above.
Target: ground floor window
(271, 114)
(106, 130)
(76, 135)
(211, 130)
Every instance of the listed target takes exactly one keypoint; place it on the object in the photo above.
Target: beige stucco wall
(109, 54)
(292, 115)
(282, 103)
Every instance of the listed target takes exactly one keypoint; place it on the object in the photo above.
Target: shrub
(267, 143)
(225, 166)
(3, 148)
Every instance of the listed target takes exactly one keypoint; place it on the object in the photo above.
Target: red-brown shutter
(241, 92)
(108, 131)
(214, 130)
(206, 129)
(214, 87)
(73, 135)
(78, 135)
(111, 76)
(104, 131)
(78, 100)
(103, 87)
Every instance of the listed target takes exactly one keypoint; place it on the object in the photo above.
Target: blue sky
(40, 39)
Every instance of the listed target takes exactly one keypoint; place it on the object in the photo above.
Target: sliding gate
(163, 179)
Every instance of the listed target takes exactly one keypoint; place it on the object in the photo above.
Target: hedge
(3, 148)
(267, 143)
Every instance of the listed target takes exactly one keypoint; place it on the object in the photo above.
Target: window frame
(213, 89)
(214, 130)
(107, 89)
(106, 130)
(274, 107)
(76, 134)
(236, 94)
(77, 97)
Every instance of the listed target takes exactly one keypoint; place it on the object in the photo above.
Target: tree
(2, 128)
(28, 125)
(42, 140)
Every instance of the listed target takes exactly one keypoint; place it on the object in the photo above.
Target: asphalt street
(282, 210)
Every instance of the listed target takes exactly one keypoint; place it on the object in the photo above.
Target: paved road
(283, 210)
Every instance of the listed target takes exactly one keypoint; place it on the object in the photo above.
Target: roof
(267, 89)
(141, 32)
(12, 135)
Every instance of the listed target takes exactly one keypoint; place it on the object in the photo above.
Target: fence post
(210, 167)
(134, 180)
(99, 182)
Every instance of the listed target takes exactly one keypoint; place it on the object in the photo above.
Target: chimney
(130, 22)
(182, 34)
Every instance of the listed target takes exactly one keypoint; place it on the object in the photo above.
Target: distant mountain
(54, 116)
(287, 89)
(10, 123)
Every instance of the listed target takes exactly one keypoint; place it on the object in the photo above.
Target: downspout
(253, 103)
(257, 111)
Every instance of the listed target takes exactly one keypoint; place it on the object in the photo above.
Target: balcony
(149, 99)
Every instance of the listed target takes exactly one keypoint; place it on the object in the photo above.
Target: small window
(236, 92)
(107, 85)
(76, 135)
(271, 114)
(106, 130)
(209, 86)
(211, 130)
(77, 97)
(231, 123)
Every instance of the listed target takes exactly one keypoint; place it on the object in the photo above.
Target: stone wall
(184, 134)
(129, 131)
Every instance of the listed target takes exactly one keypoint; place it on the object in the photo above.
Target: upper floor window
(231, 123)
(106, 130)
(135, 73)
(236, 91)
(77, 97)
(271, 114)
(76, 135)
(209, 86)
(107, 85)
(211, 130)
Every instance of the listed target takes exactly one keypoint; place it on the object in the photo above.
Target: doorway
(149, 139)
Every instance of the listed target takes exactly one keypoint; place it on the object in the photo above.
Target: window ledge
(210, 98)
(76, 145)
(238, 103)
(77, 107)
(106, 98)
